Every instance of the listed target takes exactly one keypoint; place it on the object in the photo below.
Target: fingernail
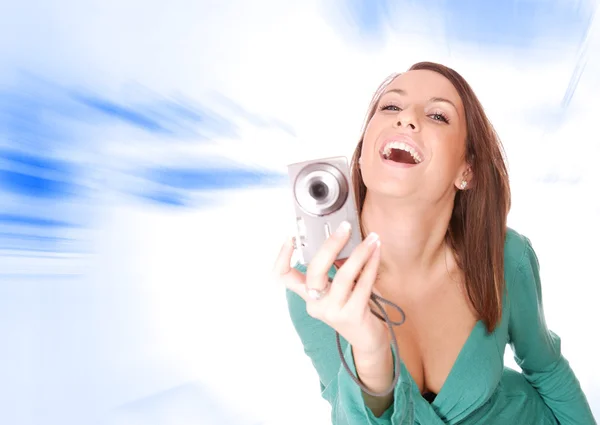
(344, 228)
(373, 237)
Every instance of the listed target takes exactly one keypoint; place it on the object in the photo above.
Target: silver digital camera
(323, 198)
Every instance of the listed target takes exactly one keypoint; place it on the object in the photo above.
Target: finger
(316, 273)
(350, 272)
(295, 282)
(282, 263)
(360, 296)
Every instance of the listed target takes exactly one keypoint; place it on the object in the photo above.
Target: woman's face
(415, 143)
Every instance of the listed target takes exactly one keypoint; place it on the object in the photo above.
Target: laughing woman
(433, 198)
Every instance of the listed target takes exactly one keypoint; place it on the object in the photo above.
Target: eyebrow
(433, 99)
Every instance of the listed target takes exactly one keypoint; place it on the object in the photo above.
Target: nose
(407, 118)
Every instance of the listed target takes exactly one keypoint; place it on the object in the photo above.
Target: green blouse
(479, 389)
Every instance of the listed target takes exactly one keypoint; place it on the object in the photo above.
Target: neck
(413, 235)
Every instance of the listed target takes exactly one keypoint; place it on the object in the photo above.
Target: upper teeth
(387, 150)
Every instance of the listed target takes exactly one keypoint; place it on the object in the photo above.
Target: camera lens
(318, 190)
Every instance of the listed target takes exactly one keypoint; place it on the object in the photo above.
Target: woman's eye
(390, 108)
(440, 117)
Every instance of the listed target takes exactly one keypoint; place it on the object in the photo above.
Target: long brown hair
(477, 228)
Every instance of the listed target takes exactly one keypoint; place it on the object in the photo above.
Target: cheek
(450, 143)
(448, 152)
(370, 138)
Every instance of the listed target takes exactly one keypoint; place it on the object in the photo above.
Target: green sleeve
(537, 349)
(337, 387)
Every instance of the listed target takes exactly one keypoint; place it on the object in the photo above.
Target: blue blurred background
(143, 194)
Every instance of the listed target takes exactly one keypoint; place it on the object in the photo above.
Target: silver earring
(463, 185)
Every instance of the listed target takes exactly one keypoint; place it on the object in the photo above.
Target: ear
(463, 182)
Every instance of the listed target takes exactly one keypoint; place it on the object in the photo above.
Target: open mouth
(401, 153)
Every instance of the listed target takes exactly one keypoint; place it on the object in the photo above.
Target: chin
(390, 187)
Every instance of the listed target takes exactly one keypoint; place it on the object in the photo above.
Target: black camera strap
(390, 324)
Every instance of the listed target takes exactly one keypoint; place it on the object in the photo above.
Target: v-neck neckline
(440, 396)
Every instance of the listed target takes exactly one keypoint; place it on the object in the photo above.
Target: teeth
(387, 150)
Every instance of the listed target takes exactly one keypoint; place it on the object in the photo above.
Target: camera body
(323, 198)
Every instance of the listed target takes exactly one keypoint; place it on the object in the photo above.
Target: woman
(433, 196)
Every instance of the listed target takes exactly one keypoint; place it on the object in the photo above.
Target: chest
(439, 322)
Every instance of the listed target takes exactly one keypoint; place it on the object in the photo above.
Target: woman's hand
(342, 304)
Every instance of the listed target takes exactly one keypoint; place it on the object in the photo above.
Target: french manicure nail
(373, 237)
(343, 229)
